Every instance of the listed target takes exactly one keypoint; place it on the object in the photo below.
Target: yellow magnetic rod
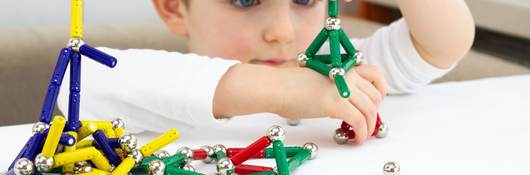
(76, 23)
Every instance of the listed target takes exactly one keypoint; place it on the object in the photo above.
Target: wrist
(247, 89)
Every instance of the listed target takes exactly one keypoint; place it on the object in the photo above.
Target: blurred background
(32, 32)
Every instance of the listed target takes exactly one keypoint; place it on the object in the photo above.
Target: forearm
(246, 89)
(442, 30)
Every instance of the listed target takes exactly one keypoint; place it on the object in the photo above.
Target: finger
(373, 75)
(363, 103)
(370, 90)
(354, 117)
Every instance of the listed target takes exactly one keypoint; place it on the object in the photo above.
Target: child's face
(270, 32)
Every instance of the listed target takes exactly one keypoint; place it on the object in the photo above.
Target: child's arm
(412, 52)
(155, 90)
(442, 30)
(300, 93)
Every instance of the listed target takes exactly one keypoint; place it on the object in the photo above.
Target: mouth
(275, 62)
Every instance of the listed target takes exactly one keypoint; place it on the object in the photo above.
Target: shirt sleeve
(151, 90)
(391, 49)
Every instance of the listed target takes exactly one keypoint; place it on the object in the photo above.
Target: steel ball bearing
(276, 133)
(391, 168)
(43, 164)
(340, 137)
(23, 166)
(302, 59)
(332, 23)
(187, 152)
(313, 147)
(225, 166)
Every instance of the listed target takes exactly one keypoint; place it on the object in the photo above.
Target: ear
(173, 13)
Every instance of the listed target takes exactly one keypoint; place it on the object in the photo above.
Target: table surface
(473, 127)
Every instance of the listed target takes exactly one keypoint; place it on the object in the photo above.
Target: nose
(280, 28)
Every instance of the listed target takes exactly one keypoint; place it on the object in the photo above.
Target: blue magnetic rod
(97, 55)
(73, 123)
(107, 149)
(66, 139)
(54, 85)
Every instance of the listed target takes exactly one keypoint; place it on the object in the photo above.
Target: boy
(157, 90)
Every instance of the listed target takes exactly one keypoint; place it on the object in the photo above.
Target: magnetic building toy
(61, 145)
(335, 65)
(230, 161)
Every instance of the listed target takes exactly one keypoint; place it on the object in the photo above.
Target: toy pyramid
(335, 64)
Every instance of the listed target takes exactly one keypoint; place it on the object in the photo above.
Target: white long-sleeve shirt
(156, 90)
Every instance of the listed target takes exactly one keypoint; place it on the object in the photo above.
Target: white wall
(52, 12)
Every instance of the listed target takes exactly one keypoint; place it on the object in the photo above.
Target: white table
(475, 127)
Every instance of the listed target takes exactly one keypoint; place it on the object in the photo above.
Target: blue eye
(303, 2)
(245, 3)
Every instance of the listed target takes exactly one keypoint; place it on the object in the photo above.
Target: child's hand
(307, 94)
(296, 92)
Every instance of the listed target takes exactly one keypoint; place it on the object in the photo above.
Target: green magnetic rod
(280, 157)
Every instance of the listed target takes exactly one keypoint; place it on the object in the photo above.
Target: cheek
(307, 28)
(218, 37)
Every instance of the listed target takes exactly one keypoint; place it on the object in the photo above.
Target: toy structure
(59, 145)
(232, 160)
(335, 65)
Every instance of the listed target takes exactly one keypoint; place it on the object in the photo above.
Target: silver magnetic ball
(79, 164)
(359, 58)
(137, 156)
(219, 147)
(187, 152)
(23, 166)
(156, 167)
(43, 164)
(293, 122)
(276, 132)
(391, 168)
(162, 154)
(75, 43)
(209, 151)
(382, 131)
(225, 166)
(188, 167)
(129, 141)
(39, 127)
(332, 23)
(83, 169)
(313, 147)
(302, 59)
(118, 123)
(340, 137)
(336, 71)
